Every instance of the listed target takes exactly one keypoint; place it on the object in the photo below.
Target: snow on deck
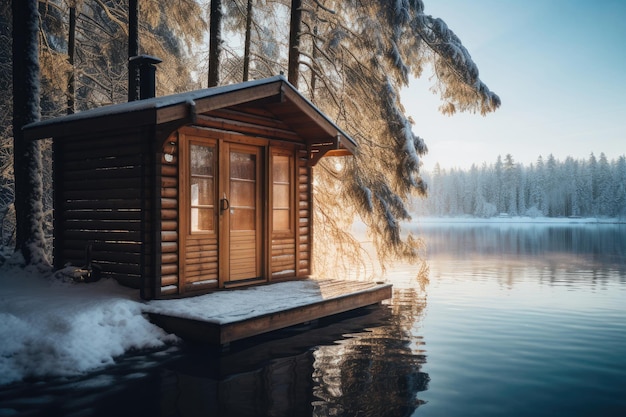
(233, 305)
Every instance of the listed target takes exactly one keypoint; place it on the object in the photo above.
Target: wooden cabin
(193, 192)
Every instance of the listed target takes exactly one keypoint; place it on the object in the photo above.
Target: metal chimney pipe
(146, 65)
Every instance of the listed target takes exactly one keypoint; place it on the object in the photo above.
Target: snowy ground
(53, 328)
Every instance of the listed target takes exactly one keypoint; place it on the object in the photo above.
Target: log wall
(304, 235)
(169, 219)
(102, 199)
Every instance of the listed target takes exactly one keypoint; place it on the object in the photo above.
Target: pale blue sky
(559, 67)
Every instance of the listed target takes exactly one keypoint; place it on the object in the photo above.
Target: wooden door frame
(185, 140)
(222, 141)
(224, 149)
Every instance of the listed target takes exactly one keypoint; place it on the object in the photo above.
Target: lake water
(513, 320)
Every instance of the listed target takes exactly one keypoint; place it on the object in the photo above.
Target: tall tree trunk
(314, 63)
(27, 166)
(294, 42)
(215, 41)
(71, 47)
(246, 52)
(133, 50)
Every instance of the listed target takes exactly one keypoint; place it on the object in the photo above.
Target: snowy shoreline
(51, 328)
(517, 220)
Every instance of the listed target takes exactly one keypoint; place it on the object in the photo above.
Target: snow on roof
(42, 129)
(54, 328)
(151, 103)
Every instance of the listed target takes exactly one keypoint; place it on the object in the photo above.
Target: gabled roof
(272, 98)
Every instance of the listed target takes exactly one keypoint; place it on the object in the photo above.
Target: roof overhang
(275, 96)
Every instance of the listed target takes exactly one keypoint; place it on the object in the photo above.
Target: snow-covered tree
(27, 165)
(93, 75)
(353, 59)
(605, 185)
(619, 175)
(510, 183)
(556, 189)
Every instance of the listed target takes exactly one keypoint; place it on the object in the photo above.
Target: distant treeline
(595, 187)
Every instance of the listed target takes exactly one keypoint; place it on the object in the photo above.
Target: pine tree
(215, 45)
(510, 185)
(295, 27)
(353, 59)
(559, 188)
(620, 192)
(30, 239)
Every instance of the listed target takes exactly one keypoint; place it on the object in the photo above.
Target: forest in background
(592, 187)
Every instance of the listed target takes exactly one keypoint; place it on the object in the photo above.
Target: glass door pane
(242, 191)
(243, 195)
(202, 187)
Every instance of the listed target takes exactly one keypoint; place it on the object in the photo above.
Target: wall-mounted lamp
(169, 150)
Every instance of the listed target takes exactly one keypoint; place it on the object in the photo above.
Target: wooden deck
(330, 297)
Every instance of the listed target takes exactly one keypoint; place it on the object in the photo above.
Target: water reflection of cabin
(182, 194)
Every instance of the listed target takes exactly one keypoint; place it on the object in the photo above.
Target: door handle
(224, 203)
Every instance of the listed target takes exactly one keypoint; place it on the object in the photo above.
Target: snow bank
(51, 328)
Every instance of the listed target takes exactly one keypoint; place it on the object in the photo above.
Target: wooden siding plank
(100, 256)
(169, 269)
(169, 182)
(101, 225)
(81, 244)
(104, 215)
(129, 204)
(169, 193)
(201, 285)
(169, 225)
(168, 170)
(106, 235)
(248, 128)
(169, 280)
(117, 172)
(169, 203)
(169, 258)
(169, 247)
(103, 194)
(103, 164)
(169, 236)
(200, 275)
(266, 119)
(96, 153)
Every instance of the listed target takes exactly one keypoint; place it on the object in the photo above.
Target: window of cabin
(202, 187)
(282, 192)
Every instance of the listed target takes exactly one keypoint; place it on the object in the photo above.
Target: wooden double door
(223, 183)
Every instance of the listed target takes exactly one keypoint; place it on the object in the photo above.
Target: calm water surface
(515, 320)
